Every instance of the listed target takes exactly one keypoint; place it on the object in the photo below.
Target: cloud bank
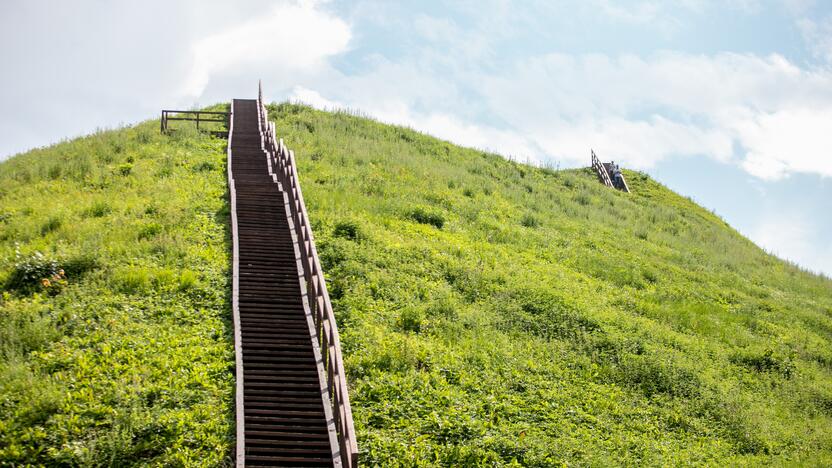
(291, 37)
(765, 114)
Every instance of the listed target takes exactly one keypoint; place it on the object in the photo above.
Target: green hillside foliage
(116, 344)
(493, 313)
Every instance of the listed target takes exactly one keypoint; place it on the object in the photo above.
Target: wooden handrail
(604, 175)
(601, 170)
(284, 167)
(239, 394)
(166, 117)
(170, 111)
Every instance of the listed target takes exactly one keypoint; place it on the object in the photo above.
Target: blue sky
(728, 102)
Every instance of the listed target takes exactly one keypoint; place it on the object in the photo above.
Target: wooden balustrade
(198, 117)
(285, 169)
(601, 170)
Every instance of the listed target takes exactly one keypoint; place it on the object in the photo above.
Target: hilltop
(490, 312)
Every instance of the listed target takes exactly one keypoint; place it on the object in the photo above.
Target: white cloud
(793, 237)
(799, 7)
(313, 98)
(818, 35)
(672, 83)
(291, 36)
(449, 127)
(437, 124)
(787, 141)
(672, 16)
(96, 64)
(640, 12)
(638, 143)
(764, 114)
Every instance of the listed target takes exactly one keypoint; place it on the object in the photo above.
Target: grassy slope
(132, 359)
(552, 320)
(547, 320)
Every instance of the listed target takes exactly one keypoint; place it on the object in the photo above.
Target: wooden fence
(198, 117)
(283, 165)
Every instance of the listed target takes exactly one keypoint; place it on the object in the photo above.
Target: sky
(727, 102)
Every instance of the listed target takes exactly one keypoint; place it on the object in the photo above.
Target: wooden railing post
(318, 298)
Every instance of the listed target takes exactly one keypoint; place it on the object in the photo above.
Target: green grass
(495, 313)
(491, 313)
(126, 357)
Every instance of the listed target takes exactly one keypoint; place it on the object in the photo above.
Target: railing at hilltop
(283, 165)
(198, 117)
(605, 169)
(601, 170)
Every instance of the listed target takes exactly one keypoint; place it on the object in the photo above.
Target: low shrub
(652, 375)
(133, 281)
(149, 230)
(124, 169)
(768, 362)
(98, 210)
(347, 230)
(52, 224)
(425, 216)
(204, 166)
(529, 221)
(29, 271)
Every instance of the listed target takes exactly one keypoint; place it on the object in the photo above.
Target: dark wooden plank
(280, 406)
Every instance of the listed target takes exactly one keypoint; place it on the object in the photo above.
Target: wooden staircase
(604, 170)
(292, 403)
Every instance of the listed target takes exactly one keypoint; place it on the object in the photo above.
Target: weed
(98, 210)
(426, 216)
(411, 319)
(204, 166)
(529, 221)
(51, 224)
(583, 198)
(149, 230)
(767, 361)
(55, 172)
(187, 280)
(347, 230)
(124, 169)
(133, 281)
(652, 376)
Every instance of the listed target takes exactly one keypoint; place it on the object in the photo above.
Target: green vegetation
(491, 313)
(115, 337)
(494, 313)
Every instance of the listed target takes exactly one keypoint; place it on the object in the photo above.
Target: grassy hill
(490, 312)
(128, 355)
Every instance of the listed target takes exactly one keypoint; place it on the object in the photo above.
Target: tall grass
(491, 313)
(548, 320)
(115, 343)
